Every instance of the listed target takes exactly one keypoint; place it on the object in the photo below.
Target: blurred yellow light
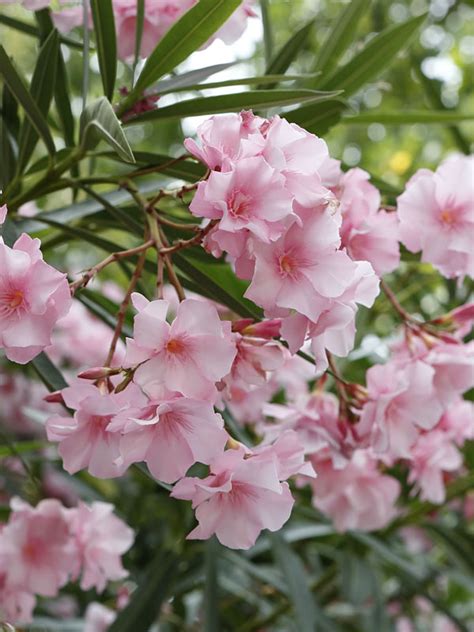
(400, 162)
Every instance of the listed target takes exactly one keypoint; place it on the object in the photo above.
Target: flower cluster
(281, 226)
(42, 548)
(33, 297)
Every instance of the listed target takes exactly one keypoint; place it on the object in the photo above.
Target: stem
(123, 307)
(401, 311)
(114, 257)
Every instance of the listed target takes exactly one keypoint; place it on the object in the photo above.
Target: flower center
(174, 346)
(447, 217)
(287, 264)
(32, 551)
(11, 301)
(239, 204)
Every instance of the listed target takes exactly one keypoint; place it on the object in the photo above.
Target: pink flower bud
(98, 372)
(265, 329)
(54, 398)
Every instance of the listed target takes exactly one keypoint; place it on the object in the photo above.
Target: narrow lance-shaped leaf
(99, 121)
(145, 603)
(187, 35)
(14, 82)
(374, 58)
(341, 35)
(317, 117)
(443, 117)
(139, 30)
(42, 89)
(211, 586)
(104, 28)
(232, 103)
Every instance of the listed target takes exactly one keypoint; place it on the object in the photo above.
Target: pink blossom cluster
(33, 297)
(436, 213)
(160, 15)
(281, 225)
(42, 548)
(166, 419)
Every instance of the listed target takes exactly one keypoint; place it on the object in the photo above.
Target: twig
(401, 311)
(114, 257)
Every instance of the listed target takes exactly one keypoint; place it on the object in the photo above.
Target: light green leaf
(258, 99)
(374, 58)
(99, 121)
(42, 89)
(290, 49)
(191, 78)
(104, 27)
(341, 35)
(187, 35)
(442, 117)
(20, 92)
(244, 81)
(140, 20)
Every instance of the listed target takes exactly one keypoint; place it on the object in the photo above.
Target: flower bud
(96, 373)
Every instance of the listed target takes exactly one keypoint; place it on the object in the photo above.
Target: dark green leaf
(211, 586)
(258, 99)
(374, 58)
(99, 121)
(42, 89)
(145, 603)
(29, 29)
(297, 581)
(317, 117)
(48, 373)
(104, 27)
(218, 282)
(21, 94)
(187, 35)
(341, 35)
(267, 30)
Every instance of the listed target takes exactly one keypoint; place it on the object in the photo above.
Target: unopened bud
(54, 398)
(98, 372)
(239, 325)
(264, 329)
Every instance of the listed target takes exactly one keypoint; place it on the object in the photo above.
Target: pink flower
(401, 401)
(303, 268)
(255, 359)
(16, 605)
(287, 452)
(170, 436)
(178, 357)
(84, 440)
(357, 496)
(251, 197)
(223, 139)
(33, 297)
(431, 456)
(241, 497)
(436, 214)
(246, 403)
(3, 213)
(36, 547)
(102, 538)
(457, 423)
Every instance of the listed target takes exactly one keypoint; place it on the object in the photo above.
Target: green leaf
(267, 30)
(22, 95)
(389, 555)
(244, 81)
(42, 89)
(374, 58)
(145, 603)
(443, 117)
(187, 35)
(341, 35)
(257, 99)
(211, 586)
(187, 170)
(191, 78)
(29, 29)
(317, 117)
(290, 49)
(218, 282)
(104, 27)
(61, 94)
(48, 373)
(298, 584)
(99, 121)
(140, 20)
